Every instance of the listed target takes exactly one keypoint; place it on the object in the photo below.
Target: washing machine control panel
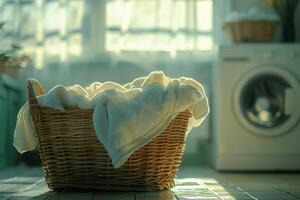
(268, 54)
(278, 55)
(292, 54)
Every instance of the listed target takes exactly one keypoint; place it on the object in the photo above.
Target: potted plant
(286, 10)
(12, 60)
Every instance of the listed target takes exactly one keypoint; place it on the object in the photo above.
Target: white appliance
(256, 108)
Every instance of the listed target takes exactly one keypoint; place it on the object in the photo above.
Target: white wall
(243, 5)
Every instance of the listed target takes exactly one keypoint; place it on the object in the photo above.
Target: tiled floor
(192, 183)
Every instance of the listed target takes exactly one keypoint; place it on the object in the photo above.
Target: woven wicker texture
(251, 31)
(73, 158)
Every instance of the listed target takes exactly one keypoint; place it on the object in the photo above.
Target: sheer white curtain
(63, 30)
(159, 25)
(47, 30)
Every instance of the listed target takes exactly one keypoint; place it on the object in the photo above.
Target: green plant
(13, 53)
(286, 11)
(9, 54)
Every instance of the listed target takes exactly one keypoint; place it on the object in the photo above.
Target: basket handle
(34, 86)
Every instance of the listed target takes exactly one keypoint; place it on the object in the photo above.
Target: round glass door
(265, 101)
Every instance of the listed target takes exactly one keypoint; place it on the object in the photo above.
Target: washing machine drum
(265, 101)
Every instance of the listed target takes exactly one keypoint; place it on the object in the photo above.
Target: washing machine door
(266, 101)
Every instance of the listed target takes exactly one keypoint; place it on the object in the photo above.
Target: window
(47, 29)
(60, 29)
(159, 25)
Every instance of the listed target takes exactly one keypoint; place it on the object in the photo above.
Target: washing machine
(256, 108)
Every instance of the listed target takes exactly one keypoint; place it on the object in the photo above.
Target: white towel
(126, 117)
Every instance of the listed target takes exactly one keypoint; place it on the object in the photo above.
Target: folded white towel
(126, 117)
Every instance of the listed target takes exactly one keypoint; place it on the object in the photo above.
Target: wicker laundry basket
(251, 31)
(73, 158)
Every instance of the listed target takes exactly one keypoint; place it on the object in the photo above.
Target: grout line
(297, 197)
(208, 188)
(176, 197)
(93, 196)
(240, 189)
(213, 192)
(30, 186)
